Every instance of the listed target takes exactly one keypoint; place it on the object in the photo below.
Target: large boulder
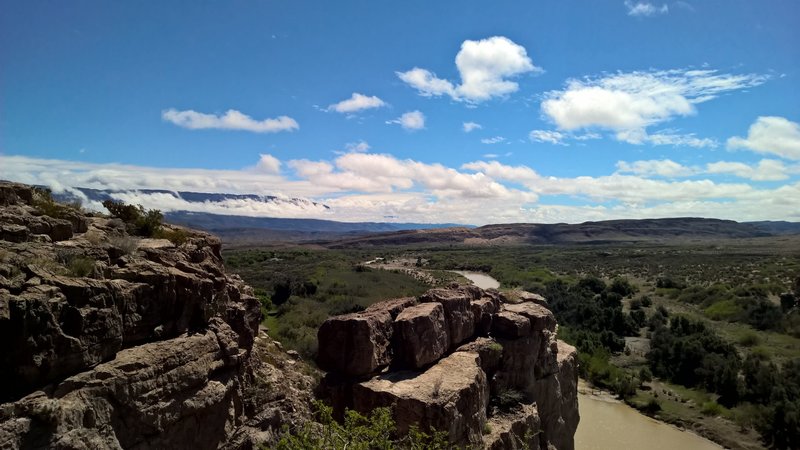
(457, 310)
(450, 396)
(355, 344)
(541, 318)
(516, 430)
(483, 310)
(394, 306)
(421, 335)
(509, 325)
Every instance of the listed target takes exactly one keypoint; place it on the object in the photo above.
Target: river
(609, 424)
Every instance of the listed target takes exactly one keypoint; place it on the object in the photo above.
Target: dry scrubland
(701, 333)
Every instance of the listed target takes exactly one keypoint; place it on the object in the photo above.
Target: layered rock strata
(115, 341)
(489, 372)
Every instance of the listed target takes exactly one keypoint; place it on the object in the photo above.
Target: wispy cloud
(645, 9)
(358, 147)
(550, 136)
(493, 140)
(559, 137)
(357, 102)
(627, 103)
(413, 120)
(231, 120)
(485, 67)
(471, 126)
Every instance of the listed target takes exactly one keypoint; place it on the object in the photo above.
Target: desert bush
(175, 235)
(711, 408)
(137, 220)
(374, 431)
(127, 244)
(749, 339)
(45, 204)
(80, 267)
(507, 400)
(652, 406)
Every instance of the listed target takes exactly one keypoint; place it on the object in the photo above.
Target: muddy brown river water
(609, 424)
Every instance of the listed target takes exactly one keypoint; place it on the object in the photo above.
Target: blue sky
(447, 111)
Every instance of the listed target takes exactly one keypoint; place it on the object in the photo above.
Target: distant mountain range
(245, 230)
(643, 230)
(252, 230)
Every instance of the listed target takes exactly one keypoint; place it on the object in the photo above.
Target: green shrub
(176, 235)
(724, 310)
(711, 408)
(652, 406)
(358, 432)
(138, 221)
(80, 267)
(45, 205)
(749, 339)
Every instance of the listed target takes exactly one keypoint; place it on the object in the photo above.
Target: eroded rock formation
(463, 360)
(114, 341)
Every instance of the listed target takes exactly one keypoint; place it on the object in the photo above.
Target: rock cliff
(489, 372)
(114, 341)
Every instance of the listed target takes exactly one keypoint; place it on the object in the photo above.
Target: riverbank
(607, 422)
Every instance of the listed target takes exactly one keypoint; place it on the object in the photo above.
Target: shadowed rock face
(152, 346)
(433, 382)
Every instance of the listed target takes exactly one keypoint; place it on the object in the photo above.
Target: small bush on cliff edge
(376, 431)
(138, 221)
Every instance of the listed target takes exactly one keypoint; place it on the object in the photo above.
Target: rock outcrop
(469, 362)
(114, 341)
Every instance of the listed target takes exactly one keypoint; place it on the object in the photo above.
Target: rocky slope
(114, 341)
(467, 361)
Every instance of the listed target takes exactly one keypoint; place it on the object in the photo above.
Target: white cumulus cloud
(645, 9)
(484, 66)
(363, 186)
(268, 164)
(231, 120)
(629, 103)
(413, 120)
(765, 170)
(770, 134)
(357, 102)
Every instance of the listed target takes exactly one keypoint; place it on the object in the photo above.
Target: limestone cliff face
(112, 341)
(488, 372)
